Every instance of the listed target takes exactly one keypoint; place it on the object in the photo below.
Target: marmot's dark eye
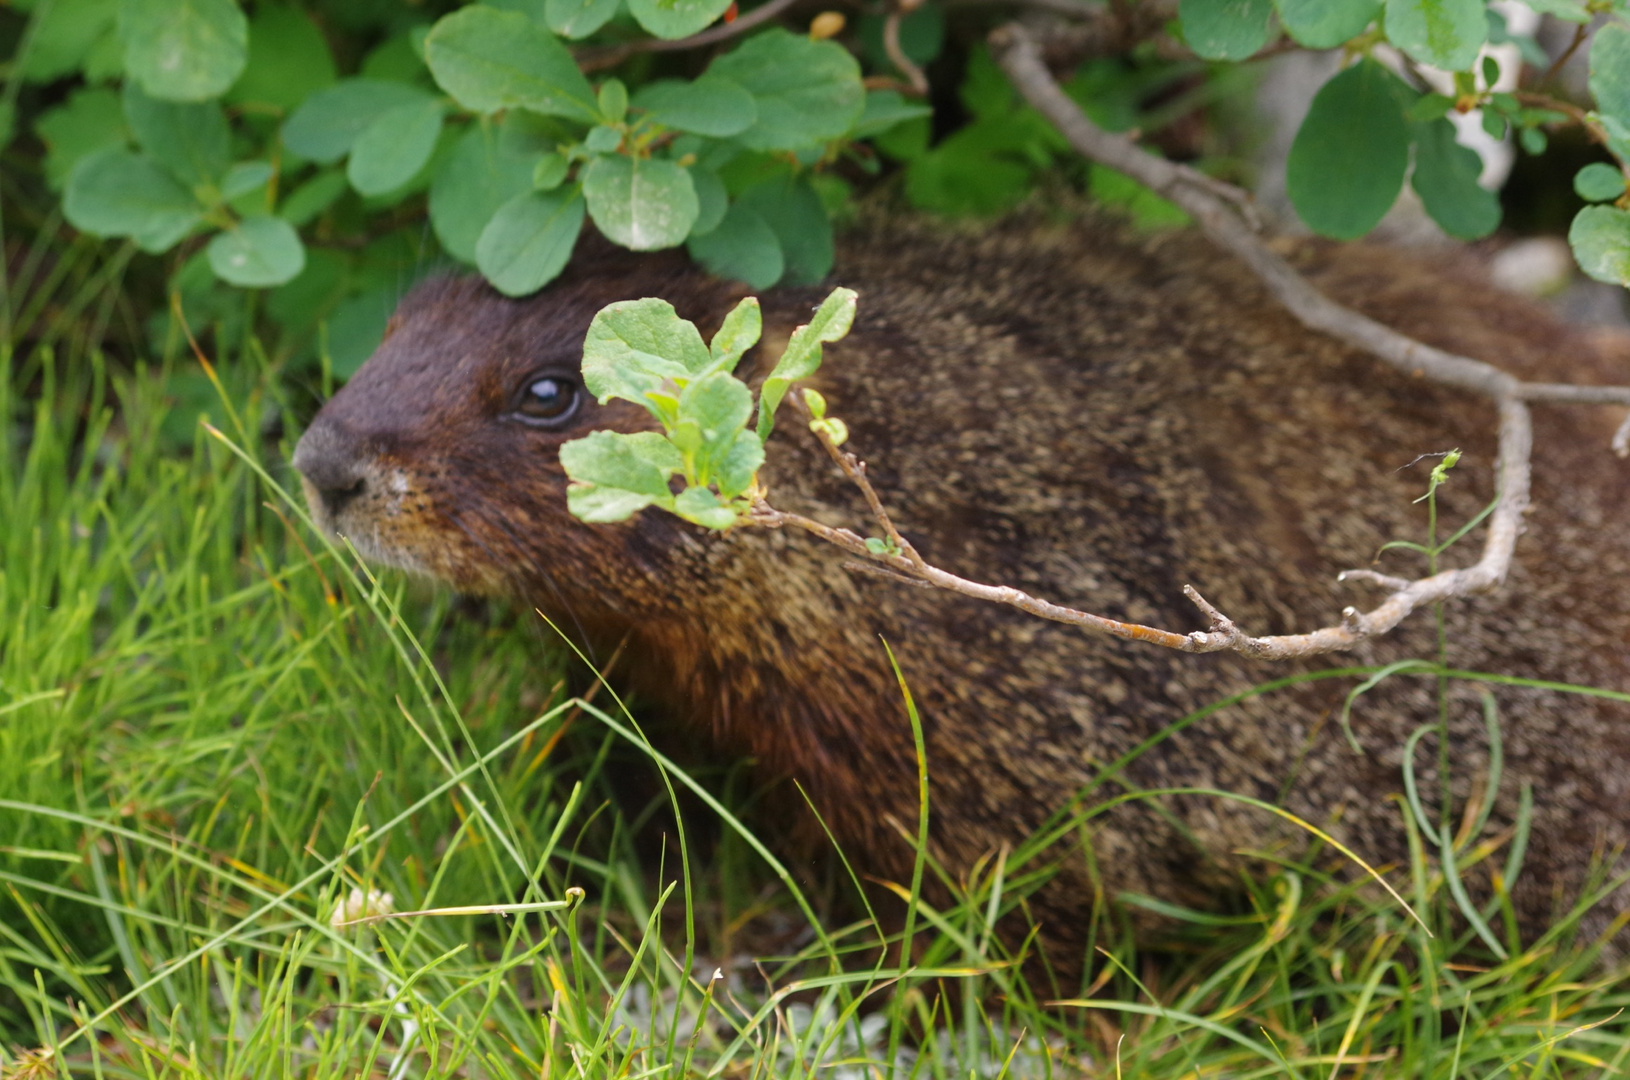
(550, 400)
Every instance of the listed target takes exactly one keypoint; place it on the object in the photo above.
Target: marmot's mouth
(387, 516)
(354, 496)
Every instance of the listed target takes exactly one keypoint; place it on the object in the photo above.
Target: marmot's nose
(327, 457)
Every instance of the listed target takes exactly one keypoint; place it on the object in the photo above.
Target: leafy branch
(641, 351)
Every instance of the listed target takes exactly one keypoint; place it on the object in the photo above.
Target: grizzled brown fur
(1094, 418)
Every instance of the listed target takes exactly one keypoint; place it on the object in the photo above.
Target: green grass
(215, 729)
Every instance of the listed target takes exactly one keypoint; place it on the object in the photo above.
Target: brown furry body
(1098, 420)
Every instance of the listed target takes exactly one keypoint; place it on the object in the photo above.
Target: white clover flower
(361, 905)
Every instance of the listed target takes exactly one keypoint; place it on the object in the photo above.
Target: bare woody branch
(901, 561)
(1223, 213)
(1215, 207)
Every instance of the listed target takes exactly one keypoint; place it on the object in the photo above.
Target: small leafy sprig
(642, 351)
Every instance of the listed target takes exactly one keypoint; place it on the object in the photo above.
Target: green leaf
(64, 36)
(616, 460)
(986, 168)
(90, 120)
(743, 247)
(719, 404)
(676, 18)
(288, 60)
(1226, 29)
(641, 203)
(1599, 182)
(654, 447)
(1618, 135)
(603, 139)
(184, 50)
(1610, 70)
(328, 122)
(633, 346)
(549, 172)
(884, 109)
(399, 58)
(802, 357)
(1600, 238)
(577, 19)
(357, 326)
(310, 295)
(262, 250)
(244, 178)
(611, 479)
(712, 200)
(191, 141)
(1324, 24)
(532, 9)
(739, 332)
(106, 60)
(807, 92)
(1446, 180)
(491, 60)
(734, 474)
(1429, 107)
(1347, 162)
(114, 192)
(1146, 209)
(613, 101)
(603, 505)
(710, 105)
(1443, 33)
(1569, 10)
(794, 212)
(702, 507)
(394, 147)
(311, 198)
(472, 182)
(529, 239)
(985, 90)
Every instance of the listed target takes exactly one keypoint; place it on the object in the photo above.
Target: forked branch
(1223, 213)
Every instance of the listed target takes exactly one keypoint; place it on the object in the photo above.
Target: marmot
(1098, 418)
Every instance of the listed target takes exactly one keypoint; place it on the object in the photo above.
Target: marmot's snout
(333, 470)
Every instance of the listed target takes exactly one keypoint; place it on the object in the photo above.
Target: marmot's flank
(1097, 419)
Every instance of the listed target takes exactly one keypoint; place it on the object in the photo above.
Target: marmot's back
(1096, 419)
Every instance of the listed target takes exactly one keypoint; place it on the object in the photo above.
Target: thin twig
(855, 470)
(897, 56)
(1593, 128)
(884, 572)
(769, 517)
(1223, 634)
(1386, 581)
(1222, 214)
(600, 59)
(1580, 33)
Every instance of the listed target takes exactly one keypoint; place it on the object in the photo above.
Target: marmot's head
(442, 455)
